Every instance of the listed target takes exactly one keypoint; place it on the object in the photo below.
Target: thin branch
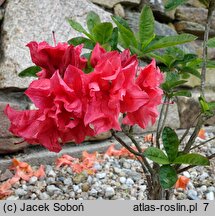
(203, 143)
(206, 34)
(159, 123)
(140, 151)
(194, 135)
(188, 129)
(165, 116)
(124, 144)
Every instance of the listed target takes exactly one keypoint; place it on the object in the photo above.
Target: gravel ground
(115, 179)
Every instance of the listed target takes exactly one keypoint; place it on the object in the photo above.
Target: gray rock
(97, 166)
(143, 188)
(112, 3)
(210, 196)
(109, 192)
(126, 165)
(20, 192)
(68, 181)
(50, 180)
(101, 175)
(186, 174)
(48, 169)
(203, 176)
(44, 196)
(93, 192)
(36, 21)
(51, 189)
(33, 180)
(52, 173)
(211, 188)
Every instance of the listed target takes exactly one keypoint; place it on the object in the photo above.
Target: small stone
(44, 196)
(192, 194)
(127, 165)
(97, 167)
(51, 189)
(52, 174)
(33, 180)
(85, 187)
(122, 180)
(119, 10)
(210, 196)
(193, 174)
(109, 192)
(93, 192)
(117, 170)
(69, 170)
(186, 174)
(211, 189)
(100, 175)
(12, 198)
(129, 182)
(203, 188)
(48, 169)
(75, 188)
(25, 187)
(61, 179)
(90, 179)
(67, 181)
(181, 196)
(142, 188)
(79, 178)
(20, 192)
(50, 180)
(72, 194)
(33, 196)
(6, 175)
(203, 176)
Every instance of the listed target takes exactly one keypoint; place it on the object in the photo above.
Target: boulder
(192, 28)
(197, 15)
(25, 21)
(111, 3)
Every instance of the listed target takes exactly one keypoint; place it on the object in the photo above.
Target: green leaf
(168, 41)
(78, 27)
(167, 176)
(156, 155)
(126, 35)
(30, 72)
(204, 105)
(146, 26)
(121, 21)
(88, 44)
(92, 20)
(192, 71)
(192, 159)
(168, 85)
(211, 42)
(102, 32)
(211, 105)
(172, 4)
(114, 39)
(184, 93)
(170, 142)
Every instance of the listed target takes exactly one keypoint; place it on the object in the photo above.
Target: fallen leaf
(201, 134)
(111, 151)
(149, 138)
(182, 182)
(5, 189)
(40, 172)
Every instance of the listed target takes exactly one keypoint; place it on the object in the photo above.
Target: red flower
(149, 80)
(55, 58)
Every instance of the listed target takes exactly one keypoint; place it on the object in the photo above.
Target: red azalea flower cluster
(72, 105)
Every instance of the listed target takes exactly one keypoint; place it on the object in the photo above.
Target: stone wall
(23, 21)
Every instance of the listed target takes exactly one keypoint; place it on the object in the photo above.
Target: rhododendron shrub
(72, 104)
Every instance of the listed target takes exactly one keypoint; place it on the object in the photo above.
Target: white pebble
(20, 192)
(203, 188)
(122, 180)
(129, 182)
(76, 188)
(33, 180)
(186, 174)
(12, 198)
(211, 188)
(52, 189)
(100, 175)
(93, 192)
(109, 192)
(44, 196)
(52, 173)
(142, 188)
(210, 196)
(203, 176)
(67, 181)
